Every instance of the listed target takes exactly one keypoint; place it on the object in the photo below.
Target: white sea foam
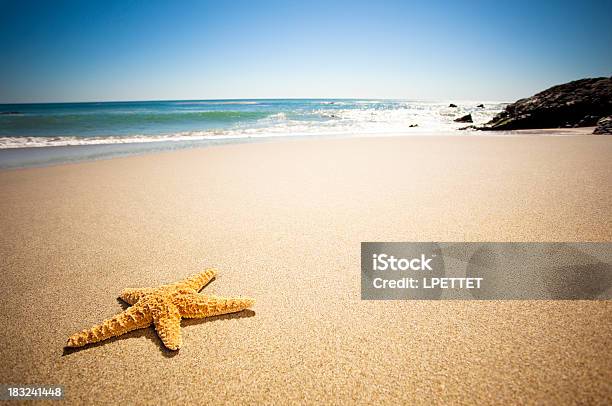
(331, 118)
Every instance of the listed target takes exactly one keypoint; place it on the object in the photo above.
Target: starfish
(164, 307)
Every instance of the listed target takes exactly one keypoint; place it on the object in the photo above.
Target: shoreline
(32, 157)
(283, 222)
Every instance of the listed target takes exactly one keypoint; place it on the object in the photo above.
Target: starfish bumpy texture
(164, 307)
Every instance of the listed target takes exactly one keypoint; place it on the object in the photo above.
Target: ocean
(131, 127)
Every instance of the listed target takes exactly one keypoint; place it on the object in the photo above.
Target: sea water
(173, 124)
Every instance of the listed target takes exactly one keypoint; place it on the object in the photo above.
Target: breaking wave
(44, 125)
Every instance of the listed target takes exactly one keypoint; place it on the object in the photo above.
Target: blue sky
(133, 50)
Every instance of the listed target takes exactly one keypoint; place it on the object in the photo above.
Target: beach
(282, 221)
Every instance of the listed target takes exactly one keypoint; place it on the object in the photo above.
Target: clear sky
(146, 50)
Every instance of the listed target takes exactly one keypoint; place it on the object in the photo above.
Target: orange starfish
(164, 307)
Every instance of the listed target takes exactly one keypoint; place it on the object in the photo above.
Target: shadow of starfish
(150, 334)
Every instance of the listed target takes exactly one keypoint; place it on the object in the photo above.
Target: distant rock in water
(465, 119)
(413, 125)
(604, 126)
(452, 105)
(480, 106)
(575, 104)
(10, 113)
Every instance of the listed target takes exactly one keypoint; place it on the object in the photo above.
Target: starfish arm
(131, 319)
(167, 320)
(133, 295)
(197, 281)
(200, 306)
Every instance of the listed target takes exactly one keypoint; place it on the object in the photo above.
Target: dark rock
(413, 125)
(470, 127)
(464, 119)
(575, 104)
(452, 105)
(604, 126)
(10, 113)
(587, 121)
(480, 106)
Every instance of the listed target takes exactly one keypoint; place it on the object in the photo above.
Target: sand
(283, 222)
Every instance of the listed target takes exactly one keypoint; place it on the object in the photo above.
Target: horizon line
(254, 99)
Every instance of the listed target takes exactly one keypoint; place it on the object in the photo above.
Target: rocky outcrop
(465, 119)
(480, 106)
(575, 104)
(604, 126)
(452, 105)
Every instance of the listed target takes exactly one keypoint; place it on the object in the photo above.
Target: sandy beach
(283, 222)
